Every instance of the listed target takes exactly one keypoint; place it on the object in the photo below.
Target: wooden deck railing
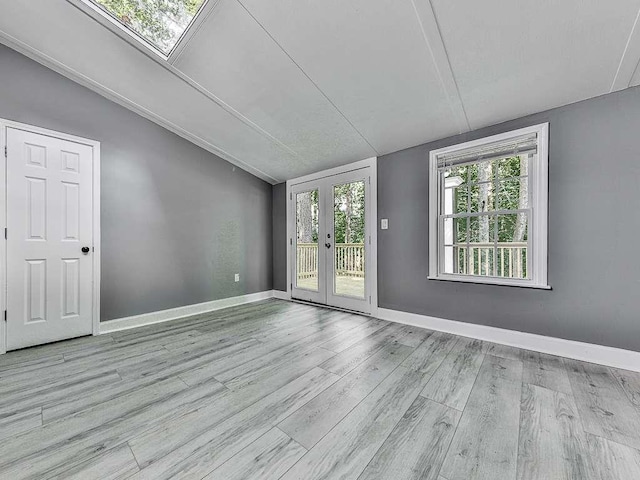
(511, 261)
(307, 260)
(349, 259)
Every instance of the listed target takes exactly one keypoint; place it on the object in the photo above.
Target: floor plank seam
(455, 431)
(519, 433)
(440, 403)
(580, 416)
(178, 377)
(627, 394)
(385, 439)
(614, 442)
(553, 390)
(273, 424)
(446, 450)
(347, 414)
(325, 370)
(133, 455)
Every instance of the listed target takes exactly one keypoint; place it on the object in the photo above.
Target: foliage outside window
(349, 223)
(159, 22)
(347, 234)
(349, 212)
(486, 198)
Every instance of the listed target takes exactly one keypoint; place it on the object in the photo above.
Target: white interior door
(331, 239)
(49, 239)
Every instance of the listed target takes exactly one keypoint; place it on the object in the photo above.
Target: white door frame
(4, 124)
(372, 212)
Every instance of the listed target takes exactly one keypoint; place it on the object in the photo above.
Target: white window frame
(136, 39)
(537, 229)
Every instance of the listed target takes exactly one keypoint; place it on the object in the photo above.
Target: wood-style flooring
(278, 390)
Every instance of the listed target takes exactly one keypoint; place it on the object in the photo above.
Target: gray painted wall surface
(177, 221)
(594, 224)
(280, 236)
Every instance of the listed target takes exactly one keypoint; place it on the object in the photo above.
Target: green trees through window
(486, 207)
(160, 22)
(497, 185)
(349, 212)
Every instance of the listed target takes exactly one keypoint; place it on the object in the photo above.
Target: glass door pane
(307, 233)
(349, 239)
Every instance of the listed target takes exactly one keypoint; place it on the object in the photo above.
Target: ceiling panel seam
(66, 71)
(629, 59)
(435, 43)
(308, 77)
(203, 91)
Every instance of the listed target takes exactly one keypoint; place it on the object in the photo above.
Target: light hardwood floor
(281, 390)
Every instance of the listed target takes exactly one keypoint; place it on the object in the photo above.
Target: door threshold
(330, 307)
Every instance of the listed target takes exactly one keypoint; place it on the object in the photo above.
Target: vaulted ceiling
(283, 88)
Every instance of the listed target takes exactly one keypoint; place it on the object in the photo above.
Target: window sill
(489, 281)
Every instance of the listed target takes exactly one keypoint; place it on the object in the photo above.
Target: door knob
(85, 250)
(328, 245)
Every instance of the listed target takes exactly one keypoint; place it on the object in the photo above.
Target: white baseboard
(180, 312)
(587, 352)
(281, 295)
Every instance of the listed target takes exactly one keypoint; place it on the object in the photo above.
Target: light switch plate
(237, 278)
(384, 224)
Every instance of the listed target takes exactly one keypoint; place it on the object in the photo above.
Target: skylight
(160, 22)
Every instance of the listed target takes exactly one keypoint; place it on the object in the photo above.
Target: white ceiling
(284, 88)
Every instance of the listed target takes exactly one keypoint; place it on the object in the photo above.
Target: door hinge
(5, 315)
(291, 284)
(291, 241)
(5, 152)
(5, 233)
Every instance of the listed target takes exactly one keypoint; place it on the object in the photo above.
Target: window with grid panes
(488, 210)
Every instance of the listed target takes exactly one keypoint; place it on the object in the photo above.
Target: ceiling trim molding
(435, 44)
(308, 77)
(185, 78)
(123, 101)
(629, 60)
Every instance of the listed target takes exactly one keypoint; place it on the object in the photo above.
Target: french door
(331, 240)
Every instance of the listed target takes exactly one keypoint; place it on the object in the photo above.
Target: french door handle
(328, 245)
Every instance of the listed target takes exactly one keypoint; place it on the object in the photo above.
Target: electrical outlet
(384, 224)
(237, 278)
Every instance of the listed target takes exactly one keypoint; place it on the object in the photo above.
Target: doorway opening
(331, 222)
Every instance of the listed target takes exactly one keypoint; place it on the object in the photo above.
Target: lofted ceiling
(283, 88)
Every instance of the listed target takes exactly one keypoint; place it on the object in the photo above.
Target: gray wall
(594, 226)
(280, 236)
(177, 222)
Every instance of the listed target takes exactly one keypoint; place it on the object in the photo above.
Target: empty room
(318, 240)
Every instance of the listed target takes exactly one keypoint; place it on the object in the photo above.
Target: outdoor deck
(345, 285)
(349, 267)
